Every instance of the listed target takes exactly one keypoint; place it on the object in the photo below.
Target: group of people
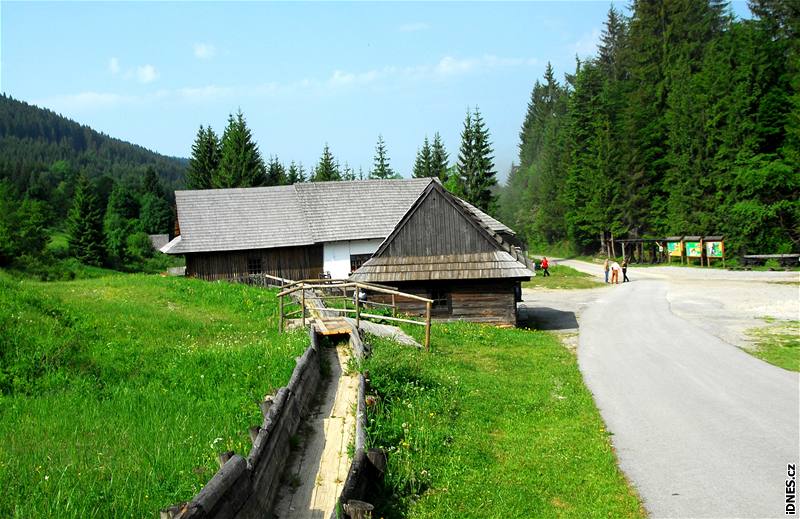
(615, 268)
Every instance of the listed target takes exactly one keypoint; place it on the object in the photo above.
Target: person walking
(615, 268)
(625, 271)
(545, 266)
(606, 268)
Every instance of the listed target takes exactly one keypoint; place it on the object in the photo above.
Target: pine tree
(423, 163)
(155, 215)
(326, 169)
(121, 219)
(348, 173)
(466, 154)
(439, 158)
(151, 183)
(295, 174)
(84, 225)
(241, 164)
(476, 163)
(204, 162)
(276, 172)
(381, 167)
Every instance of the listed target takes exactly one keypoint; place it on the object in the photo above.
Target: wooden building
(442, 251)
(297, 232)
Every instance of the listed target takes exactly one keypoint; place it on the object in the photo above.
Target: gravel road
(701, 428)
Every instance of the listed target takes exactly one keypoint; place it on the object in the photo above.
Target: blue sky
(302, 73)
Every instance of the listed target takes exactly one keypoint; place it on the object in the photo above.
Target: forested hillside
(57, 176)
(37, 147)
(687, 121)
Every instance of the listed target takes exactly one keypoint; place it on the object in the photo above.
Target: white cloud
(447, 67)
(113, 66)
(146, 74)
(85, 101)
(204, 50)
(414, 27)
(587, 44)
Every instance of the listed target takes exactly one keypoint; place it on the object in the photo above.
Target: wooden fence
(314, 296)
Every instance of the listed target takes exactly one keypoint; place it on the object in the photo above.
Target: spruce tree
(326, 169)
(241, 164)
(466, 154)
(347, 172)
(481, 181)
(439, 158)
(295, 174)
(121, 219)
(84, 225)
(381, 167)
(423, 163)
(204, 162)
(276, 173)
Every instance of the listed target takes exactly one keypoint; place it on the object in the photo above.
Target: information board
(693, 249)
(715, 249)
(674, 248)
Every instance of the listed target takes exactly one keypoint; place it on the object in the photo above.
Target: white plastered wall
(336, 255)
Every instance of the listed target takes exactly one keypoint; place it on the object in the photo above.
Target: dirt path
(319, 468)
(701, 428)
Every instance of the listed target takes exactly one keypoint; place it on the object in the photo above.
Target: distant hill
(35, 140)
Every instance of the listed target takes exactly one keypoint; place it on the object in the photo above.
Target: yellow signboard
(693, 249)
(674, 248)
(715, 249)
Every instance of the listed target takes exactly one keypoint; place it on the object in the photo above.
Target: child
(615, 268)
(545, 266)
(605, 268)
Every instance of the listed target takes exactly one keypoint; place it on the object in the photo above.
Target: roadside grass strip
(777, 343)
(491, 423)
(562, 277)
(117, 393)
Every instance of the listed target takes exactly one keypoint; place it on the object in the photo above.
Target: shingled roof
(302, 214)
(441, 238)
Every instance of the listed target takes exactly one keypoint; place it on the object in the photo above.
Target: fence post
(303, 304)
(394, 307)
(358, 306)
(428, 326)
(280, 313)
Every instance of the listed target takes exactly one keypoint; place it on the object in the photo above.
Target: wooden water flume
(321, 299)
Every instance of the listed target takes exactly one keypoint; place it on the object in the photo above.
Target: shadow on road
(544, 318)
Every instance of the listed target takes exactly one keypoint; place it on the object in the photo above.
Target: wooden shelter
(442, 251)
(303, 231)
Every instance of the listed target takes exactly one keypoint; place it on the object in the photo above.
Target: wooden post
(280, 312)
(394, 306)
(358, 305)
(303, 305)
(427, 326)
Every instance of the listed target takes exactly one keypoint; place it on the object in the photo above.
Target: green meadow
(118, 392)
(491, 423)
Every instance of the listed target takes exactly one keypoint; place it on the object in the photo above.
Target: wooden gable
(436, 225)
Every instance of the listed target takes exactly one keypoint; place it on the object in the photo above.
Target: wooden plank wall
(436, 228)
(480, 301)
(285, 262)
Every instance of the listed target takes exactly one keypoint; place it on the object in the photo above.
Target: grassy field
(778, 343)
(562, 276)
(117, 393)
(491, 423)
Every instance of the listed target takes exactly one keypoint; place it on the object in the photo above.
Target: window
(442, 302)
(254, 265)
(356, 260)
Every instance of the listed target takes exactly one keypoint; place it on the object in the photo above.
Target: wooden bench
(784, 260)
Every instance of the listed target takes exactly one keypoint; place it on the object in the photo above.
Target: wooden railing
(313, 293)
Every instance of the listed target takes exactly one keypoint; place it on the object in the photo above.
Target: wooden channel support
(428, 326)
(333, 285)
